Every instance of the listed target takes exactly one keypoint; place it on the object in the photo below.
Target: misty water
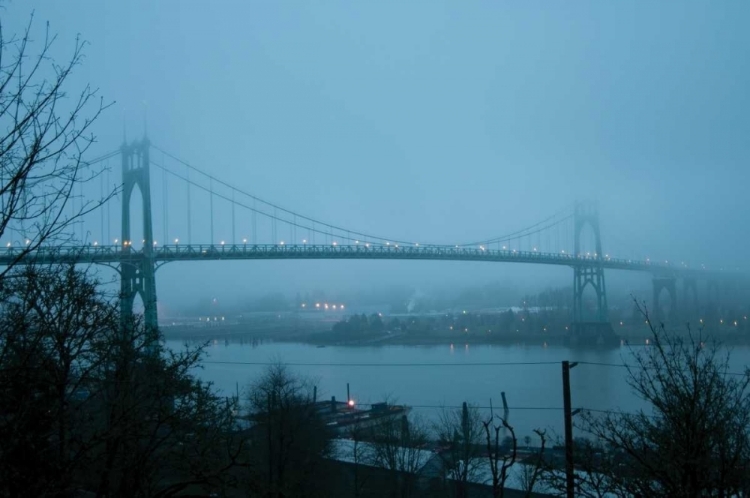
(533, 391)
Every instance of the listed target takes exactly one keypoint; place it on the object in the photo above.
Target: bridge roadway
(114, 254)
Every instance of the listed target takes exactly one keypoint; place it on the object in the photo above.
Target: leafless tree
(86, 405)
(695, 440)
(533, 467)
(398, 445)
(52, 333)
(361, 455)
(290, 442)
(499, 459)
(44, 134)
(460, 436)
(163, 430)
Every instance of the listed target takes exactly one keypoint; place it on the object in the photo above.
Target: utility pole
(569, 476)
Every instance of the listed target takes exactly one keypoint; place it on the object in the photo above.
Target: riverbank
(319, 334)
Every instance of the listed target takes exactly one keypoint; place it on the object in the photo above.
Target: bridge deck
(207, 252)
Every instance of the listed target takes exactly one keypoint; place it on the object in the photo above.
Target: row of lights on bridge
(324, 306)
(129, 243)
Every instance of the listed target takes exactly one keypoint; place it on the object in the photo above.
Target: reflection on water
(533, 386)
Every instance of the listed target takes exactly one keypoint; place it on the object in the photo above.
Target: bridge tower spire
(138, 275)
(597, 327)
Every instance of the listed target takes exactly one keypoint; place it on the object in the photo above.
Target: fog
(440, 122)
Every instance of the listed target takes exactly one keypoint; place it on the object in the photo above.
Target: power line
(626, 365)
(436, 364)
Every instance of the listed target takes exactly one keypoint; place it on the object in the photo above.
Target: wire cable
(435, 364)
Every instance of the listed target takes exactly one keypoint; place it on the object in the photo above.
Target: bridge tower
(669, 284)
(137, 276)
(585, 328)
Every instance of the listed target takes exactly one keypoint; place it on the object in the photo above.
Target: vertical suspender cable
(273, 231)
(211, 206)
(166, 203)
(109, 203)
(189, 227)
(101, 211)
(80, 204)
(234, 239)
(255, 231)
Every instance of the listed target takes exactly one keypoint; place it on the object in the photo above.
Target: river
(533, 384)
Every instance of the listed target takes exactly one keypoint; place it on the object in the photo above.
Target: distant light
(367, 244)
(96, 243)
(351, 402)
(244, 241)
(335, 243)
(325, 306)
(356, 242)
(8, 244)
(304, 241)
(281, 243)
(303, 305)
(28, 242)
(154, 242)
(416, 244)
(176, 241)
(333, 306)
(342, 306)
(115, 241)
(505, 248)
(222, 242)
(317, 305)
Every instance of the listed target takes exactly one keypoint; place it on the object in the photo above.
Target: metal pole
(189, 229)
(211, 206)
(569, 476)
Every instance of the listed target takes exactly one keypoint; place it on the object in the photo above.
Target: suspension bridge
(571, 237)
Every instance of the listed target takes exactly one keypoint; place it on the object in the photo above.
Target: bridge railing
(175, 252)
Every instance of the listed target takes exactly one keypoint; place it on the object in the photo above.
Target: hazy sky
(435, 121)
